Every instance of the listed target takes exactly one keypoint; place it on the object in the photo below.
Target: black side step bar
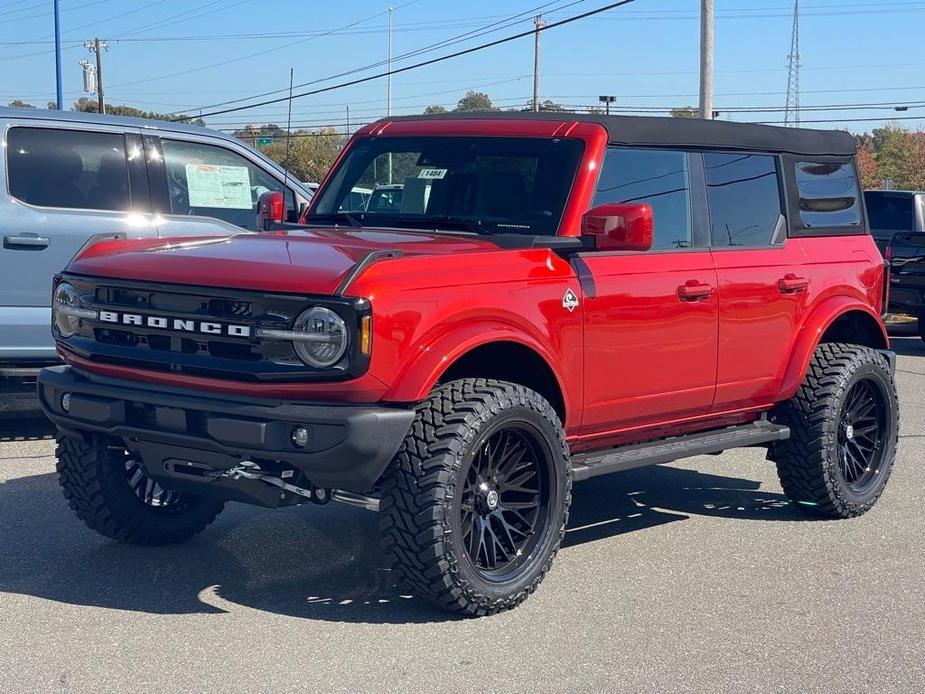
(585, 465)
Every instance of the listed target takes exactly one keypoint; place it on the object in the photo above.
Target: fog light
(66, 402)
(300, 437)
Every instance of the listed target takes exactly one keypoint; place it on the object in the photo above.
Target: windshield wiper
(437, 223)
(335, 217)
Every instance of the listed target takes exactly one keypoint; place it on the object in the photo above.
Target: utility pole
(792, 107)
(59, 89)
(389, 87)
(347, 128)
(539, 24)
(97, 47)
(706, 59)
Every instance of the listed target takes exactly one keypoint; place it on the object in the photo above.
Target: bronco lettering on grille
(178, 324)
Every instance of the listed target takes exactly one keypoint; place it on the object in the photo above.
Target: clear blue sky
(171, 55)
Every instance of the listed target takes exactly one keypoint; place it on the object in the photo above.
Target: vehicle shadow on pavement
(310, 562)
(644, 498)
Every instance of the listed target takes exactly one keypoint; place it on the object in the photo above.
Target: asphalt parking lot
(690, 577)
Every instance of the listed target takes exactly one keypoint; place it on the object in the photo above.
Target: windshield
(485, 185)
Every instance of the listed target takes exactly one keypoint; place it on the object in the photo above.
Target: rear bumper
(349, 446)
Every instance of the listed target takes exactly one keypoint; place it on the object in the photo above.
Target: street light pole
(538, 22)
(706, 59)
(389, 87)
(59, 89)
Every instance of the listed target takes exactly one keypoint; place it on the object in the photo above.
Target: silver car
(67, 176)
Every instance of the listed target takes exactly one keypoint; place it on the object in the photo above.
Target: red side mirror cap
(619, 227)
(271, 208)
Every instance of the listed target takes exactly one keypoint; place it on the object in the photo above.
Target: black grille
(192, 351)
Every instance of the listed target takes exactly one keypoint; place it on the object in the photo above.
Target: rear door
(62, 183)
(650, 317)
(763, 279)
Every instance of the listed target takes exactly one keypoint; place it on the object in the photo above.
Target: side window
(744, 197)
(210, 181)
(828, 194)
(657, 177)
(68, 168)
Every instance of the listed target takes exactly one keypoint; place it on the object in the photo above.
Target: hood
(310, 261)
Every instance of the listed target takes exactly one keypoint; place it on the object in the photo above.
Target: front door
(650, 317)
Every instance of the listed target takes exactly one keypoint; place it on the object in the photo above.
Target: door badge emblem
(569, 301)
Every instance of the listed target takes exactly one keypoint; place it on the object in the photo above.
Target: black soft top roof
(685, 132)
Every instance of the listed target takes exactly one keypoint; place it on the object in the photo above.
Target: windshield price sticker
(432, 173)
(227, 187)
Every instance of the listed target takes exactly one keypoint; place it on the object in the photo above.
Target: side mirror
(271, 208)
(619, 227)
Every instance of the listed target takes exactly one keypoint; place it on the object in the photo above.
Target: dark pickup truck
(897, 223)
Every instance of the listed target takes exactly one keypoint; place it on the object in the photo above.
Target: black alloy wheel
(505, 500)
(145, 489)
(861, 434)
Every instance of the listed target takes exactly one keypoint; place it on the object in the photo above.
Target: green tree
(685, 112)
(436, 108)
(475, 101)
(868, 169)
(88, 105)
(311, 152)
(891, 151)
(547, 105)
(19, 103)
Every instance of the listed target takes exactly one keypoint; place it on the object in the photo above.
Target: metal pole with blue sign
(59, 102)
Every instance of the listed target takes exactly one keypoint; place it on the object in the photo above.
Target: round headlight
(325, 337)
(64, 307)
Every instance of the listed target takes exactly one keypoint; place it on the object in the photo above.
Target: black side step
(596, 463)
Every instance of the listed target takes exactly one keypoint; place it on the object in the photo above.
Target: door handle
(693, 290)
(791, 284)
(30, 241)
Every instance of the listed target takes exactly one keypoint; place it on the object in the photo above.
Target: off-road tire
(808, 463)
(93, 478)
(420, 505)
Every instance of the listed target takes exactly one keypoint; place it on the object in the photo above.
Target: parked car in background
(894, 211)
(897, 223)
(67, 176)
(386, 198)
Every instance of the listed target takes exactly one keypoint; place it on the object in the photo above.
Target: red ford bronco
(552, 297)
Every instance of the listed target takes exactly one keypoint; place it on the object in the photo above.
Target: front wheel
(476, 502)
(109, 489)
(844, 423)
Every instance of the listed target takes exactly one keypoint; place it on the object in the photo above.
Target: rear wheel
(476, 502)
(844, 423)
(109, 489)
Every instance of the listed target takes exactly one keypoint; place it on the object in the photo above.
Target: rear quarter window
(828, 194)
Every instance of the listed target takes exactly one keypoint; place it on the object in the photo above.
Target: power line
(487, 29)
(258, 53)
(415, 66)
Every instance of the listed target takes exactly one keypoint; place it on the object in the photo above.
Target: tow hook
(249, 470)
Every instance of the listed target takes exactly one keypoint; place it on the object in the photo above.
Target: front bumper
(175, 432)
